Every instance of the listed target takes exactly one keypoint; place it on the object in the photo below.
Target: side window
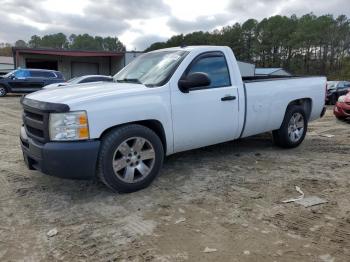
(21, 73)
(50, 75)
(58, 75)
(36, 73)
(104, 79)
(216, 68)
(344, 85)
(341, 85)
(88, 80)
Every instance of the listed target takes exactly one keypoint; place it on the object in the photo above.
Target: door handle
(227, 98)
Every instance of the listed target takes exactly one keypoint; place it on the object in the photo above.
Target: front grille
(36, 124)
(34, 116)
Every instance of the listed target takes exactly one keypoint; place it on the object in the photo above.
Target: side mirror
(12, 77)
(194, 80)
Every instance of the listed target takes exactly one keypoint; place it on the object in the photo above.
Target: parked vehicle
(28, 80)
(165, 101)
(335, 89)
(81, 80)
(342, 107)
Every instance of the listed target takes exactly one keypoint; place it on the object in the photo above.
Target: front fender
(111, 112)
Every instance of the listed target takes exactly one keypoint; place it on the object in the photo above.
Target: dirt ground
(227, 198)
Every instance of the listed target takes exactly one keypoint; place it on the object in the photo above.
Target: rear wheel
(3, 91)
(340, 118)
(293, 129)
(333, 99)
(130, 158)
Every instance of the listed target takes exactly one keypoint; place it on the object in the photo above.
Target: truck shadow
(234, 148)
(176, 165)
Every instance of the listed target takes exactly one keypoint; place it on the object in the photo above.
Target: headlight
(341, 99)
(69, 126)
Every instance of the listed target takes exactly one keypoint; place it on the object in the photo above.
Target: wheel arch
(306, 103)
(155, 125)
(4, 86)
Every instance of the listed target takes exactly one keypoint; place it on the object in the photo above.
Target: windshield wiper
(129, 80)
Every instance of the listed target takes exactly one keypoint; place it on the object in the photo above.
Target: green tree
(57, 41)
(20, 43)
(35, 41)
(308, 44)
(112, 44)
(5, 49)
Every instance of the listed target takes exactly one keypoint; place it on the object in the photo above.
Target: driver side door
(19, 81)
(205, 115)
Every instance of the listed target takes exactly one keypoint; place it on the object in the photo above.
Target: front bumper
(75, 160)
(342, 110)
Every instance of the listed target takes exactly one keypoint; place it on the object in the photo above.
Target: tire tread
(108, 139)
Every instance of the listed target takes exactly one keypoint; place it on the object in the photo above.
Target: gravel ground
(225, 199)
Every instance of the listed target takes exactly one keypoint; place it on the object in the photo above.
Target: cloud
(11, 31)
(300, 7)
(141, 43)
(127, 9)
(141, 22)
(201, 23)
(95, 25)
(259, 9)
(22, 18)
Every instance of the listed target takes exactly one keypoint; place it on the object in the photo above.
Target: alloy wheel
(296, 127)
(133, 160)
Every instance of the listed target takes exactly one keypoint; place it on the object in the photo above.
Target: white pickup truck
(164, 102)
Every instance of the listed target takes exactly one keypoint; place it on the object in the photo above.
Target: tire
(340, 118)
(125, 162)
(333, 100)
(292, 132)
(3, 91)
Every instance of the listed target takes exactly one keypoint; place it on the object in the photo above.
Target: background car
(28, 80)
(82, 79)
(342, 107)
(335, 89)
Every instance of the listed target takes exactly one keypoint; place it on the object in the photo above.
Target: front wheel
(293, 129)
(130, 158)
(3, 91)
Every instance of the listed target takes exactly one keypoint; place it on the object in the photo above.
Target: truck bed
(266, 100)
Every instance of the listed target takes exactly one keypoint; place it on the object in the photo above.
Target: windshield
(151, 69)
(10, 73)
(19, 73)
(74, 80)
(332, 84)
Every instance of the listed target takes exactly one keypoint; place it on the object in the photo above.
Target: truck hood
(81, 93)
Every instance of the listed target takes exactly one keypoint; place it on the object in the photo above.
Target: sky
(139, 23)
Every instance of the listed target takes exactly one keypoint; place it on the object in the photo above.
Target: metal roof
(63, 52)
(6, 60)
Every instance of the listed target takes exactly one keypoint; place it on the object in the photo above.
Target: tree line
(303, 45)
(73, 42)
